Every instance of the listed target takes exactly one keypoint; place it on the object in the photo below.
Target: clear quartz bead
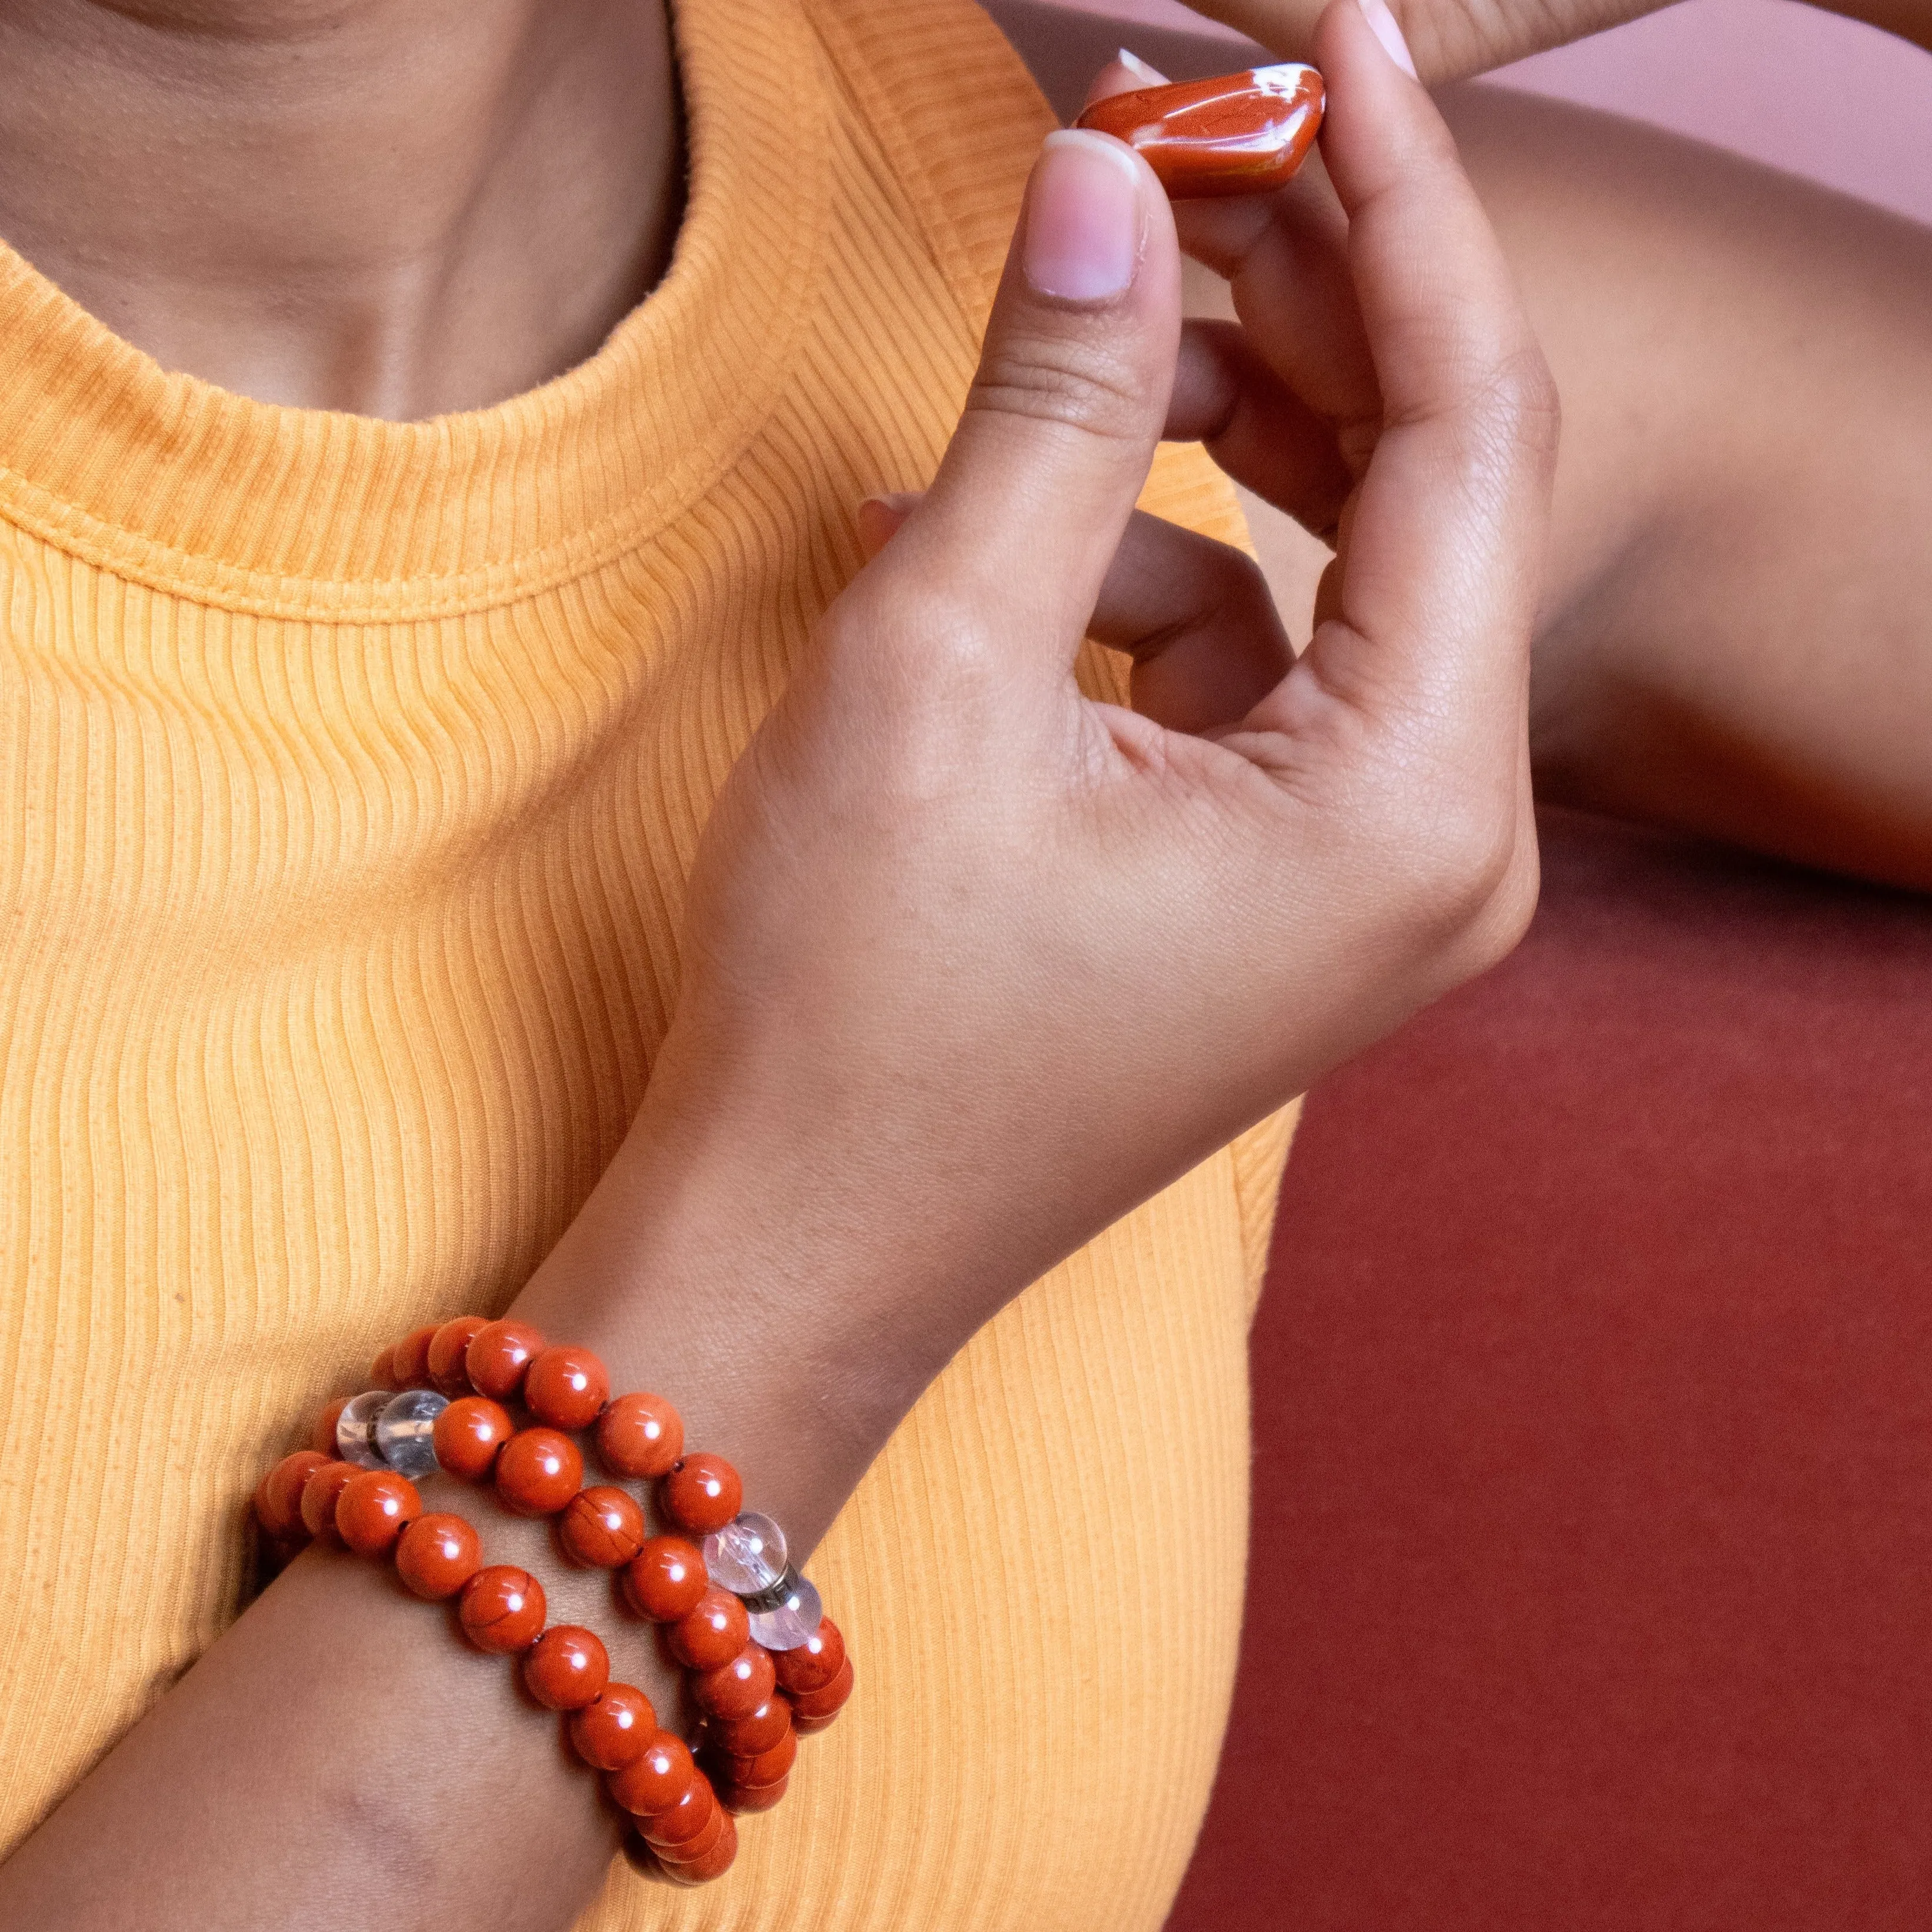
(406, 1432)
(356, 1429)
(747, 1555)
(793, 1622)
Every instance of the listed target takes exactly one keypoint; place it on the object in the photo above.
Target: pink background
(1784, 83)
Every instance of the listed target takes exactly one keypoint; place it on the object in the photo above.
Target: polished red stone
(1240, 133)
(615, 1730)
(566, 1668)
(436, 1555)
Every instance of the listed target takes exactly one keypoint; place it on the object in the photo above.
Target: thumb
(1030, 500)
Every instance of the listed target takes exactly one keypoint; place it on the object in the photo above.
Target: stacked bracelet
(764, 1664)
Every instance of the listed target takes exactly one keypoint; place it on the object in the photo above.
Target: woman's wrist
(792, 1337)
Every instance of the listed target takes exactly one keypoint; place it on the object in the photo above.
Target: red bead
(409, 1360)
(499, 1354)
(616, 1730)
(693, 1849)
(470, 1435)
(678, 1823)
(436, 1555)
(323, 1441)
(381, 1374)
(768, 1765)
(567, 1668)
(279, 1494)
(538, 1472)
(502, 1609)
(654, 1780)
(753, 1797)
(814, 1662)
(602, 1527)
(1240, 133)
(321, 1494)
(448, 1367)
(640, 1436)
(737, 1689)
(753, 1736)
(712, 1633)
(566, 1387)
(665, 1578)
(714, 1864)
(702, 1493)
(815, 1707)
(375, 1508)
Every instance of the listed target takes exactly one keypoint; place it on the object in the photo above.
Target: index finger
(1429, 612)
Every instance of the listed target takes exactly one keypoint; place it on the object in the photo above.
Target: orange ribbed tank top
(349, 773)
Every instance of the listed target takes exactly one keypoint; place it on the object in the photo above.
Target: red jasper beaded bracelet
(757, 1695)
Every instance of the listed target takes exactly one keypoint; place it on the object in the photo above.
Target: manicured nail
(1083, 219)
(1383, 24)
(1147, 76)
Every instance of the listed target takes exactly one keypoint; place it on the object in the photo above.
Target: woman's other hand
(1010, 959)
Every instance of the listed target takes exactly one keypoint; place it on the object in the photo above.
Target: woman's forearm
(1734, 637)
(339, 1757)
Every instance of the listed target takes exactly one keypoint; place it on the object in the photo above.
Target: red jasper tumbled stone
(1239, 133)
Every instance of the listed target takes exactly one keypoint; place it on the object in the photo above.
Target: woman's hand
(1011, 958)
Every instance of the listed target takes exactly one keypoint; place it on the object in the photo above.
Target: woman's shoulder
(952, 110)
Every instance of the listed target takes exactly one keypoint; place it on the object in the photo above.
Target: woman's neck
(395, 207)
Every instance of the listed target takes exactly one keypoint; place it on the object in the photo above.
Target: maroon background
(1593, 1504)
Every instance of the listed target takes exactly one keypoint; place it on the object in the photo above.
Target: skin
(1335, 844)
(1336, 841)
(1745, 363)
(1451, 39)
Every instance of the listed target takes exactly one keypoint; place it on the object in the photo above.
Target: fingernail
(1149, 76)
(1382, 24)
(1083, 218)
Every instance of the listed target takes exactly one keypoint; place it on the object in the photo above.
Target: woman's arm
(972, 964)
(1734, 638)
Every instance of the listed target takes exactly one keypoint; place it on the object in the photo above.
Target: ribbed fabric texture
(349, 773)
